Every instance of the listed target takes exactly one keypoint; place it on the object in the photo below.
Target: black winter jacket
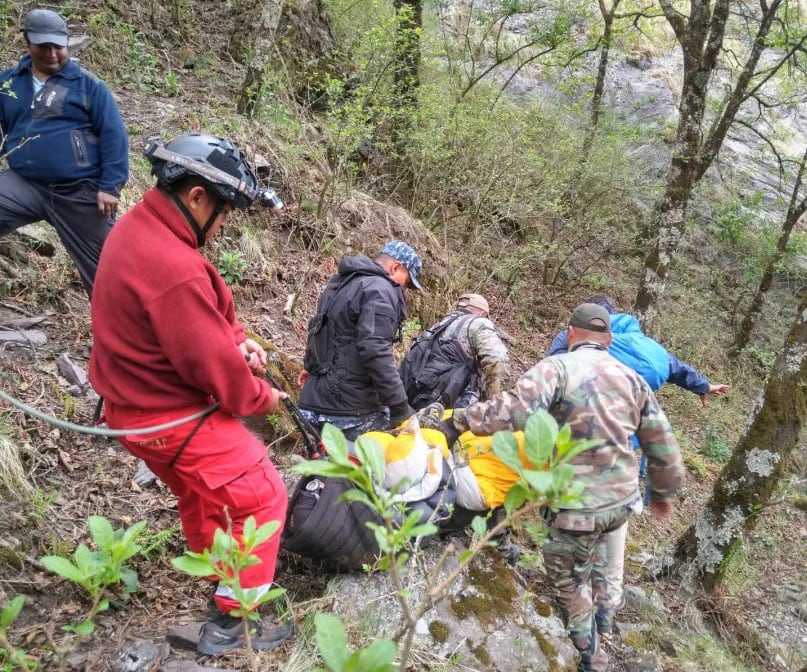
(349, 350)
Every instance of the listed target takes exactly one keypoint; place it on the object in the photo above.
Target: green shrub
(232, 266)
(12, 658)
(99, 570)
(715, 446)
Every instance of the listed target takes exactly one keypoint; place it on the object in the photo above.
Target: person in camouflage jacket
(599, 398)
(482, 341)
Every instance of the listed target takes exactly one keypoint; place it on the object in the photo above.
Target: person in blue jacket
(657, 366)
(65, 142)
(645, 355)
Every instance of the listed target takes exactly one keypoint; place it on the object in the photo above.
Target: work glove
(431, 416)
(399, 413)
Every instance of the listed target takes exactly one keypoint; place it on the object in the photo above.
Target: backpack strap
(440, 327)
(464, 321)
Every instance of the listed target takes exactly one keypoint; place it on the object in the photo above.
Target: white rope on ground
(100, 431)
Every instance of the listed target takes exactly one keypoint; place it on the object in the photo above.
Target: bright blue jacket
(72, 130)
(644, 355)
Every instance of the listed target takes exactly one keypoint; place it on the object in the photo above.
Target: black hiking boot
(225, 633)
(504, 542)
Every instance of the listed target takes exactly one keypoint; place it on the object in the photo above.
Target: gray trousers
(71, 208)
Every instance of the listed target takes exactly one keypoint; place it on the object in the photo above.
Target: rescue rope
(100, 431)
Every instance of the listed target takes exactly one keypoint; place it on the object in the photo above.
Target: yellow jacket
(481, 478)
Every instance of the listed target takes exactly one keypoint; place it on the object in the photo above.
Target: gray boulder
(487, 621)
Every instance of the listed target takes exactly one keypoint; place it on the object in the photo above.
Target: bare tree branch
(675, 19)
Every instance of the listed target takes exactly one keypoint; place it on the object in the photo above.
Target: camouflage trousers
(576, 560)
(352, 426)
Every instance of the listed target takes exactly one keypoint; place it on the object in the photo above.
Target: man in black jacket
(350, 378)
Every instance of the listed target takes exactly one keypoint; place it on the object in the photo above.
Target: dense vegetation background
(521, 148)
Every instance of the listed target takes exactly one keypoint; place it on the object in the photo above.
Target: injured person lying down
(448, 487)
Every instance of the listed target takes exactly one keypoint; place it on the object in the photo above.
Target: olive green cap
(592, 317)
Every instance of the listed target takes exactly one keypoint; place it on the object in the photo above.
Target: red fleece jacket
(164, 329)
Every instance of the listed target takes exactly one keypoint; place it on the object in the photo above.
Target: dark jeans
(70, 208)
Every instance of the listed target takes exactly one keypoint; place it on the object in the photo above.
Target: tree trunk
(667, 221)
(747, 482)
(794, 212)
(602, 69)
(701, 38)
(407, 49)
(255, 48)
(307, 46)
(406, 73)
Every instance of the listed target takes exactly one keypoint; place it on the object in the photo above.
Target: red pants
(222, 471)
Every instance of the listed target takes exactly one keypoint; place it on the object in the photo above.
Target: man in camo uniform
(481, 340)
(603, 400)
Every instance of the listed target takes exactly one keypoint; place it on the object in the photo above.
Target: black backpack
(322, 528)
(321, 340)
(437, 368)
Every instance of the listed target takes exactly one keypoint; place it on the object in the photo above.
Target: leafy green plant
(274, 421)
(696, 463)
(410, 327)
(735, 218)
(171, 87)
(338, 657)
(227, 558)
(154, 544)
(10, 656)
(68, 406)
(715, 446)
(232, 266)
(139, 70)
(99, 570)
(546, 482)
(42, 501)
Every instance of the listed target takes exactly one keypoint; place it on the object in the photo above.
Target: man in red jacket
(167, 344)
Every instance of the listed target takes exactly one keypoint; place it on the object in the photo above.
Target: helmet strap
(201, 233)
(201, 236)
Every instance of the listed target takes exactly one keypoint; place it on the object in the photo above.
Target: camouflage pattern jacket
(482, 342)
(601, 399)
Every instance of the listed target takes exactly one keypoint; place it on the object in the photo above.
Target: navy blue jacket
(680, 373)
(72, 129)
(349, 350)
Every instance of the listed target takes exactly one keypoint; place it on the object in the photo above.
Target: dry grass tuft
(13, 480)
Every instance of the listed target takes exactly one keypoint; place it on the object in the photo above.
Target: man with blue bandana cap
(404, 253)
(350, 378)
